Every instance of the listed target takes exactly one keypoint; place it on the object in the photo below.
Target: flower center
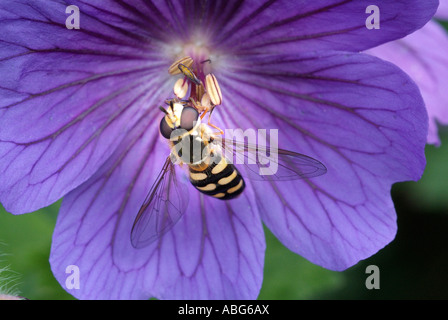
(197, 88)
(198, 53)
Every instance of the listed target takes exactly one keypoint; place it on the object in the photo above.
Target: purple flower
(79, 118)
(423, 56)
(442, 11)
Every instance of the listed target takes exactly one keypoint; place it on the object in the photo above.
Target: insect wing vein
(272, 164)
(163, 207)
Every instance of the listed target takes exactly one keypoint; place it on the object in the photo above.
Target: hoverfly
(211, 171)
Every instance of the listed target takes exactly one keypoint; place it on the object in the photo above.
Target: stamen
(204, 98)
(163, 110)
(180, 88)
(174, 68)
(189, 74)
(200, 91)
(213, 89)
(205, 101)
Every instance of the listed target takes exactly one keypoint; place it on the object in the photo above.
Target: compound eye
(188, 118)
(165, 129)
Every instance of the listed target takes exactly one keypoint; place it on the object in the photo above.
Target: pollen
(174, 68)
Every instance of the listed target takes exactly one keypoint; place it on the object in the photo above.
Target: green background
(413, 266)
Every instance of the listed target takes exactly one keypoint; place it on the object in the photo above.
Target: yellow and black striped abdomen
(220, 180)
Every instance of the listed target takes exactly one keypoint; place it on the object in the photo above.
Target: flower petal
(67, 97)
(442, 11)
(363, 118)
(422, 56)
(251, 26)
(215, 251)
(287, 26)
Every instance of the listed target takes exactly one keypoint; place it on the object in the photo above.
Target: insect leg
(220, 131)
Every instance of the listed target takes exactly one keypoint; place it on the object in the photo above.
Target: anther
(189, 74)
(180, 88)
(174, 68)
(200, 91)
(213, 89)
(205, 100)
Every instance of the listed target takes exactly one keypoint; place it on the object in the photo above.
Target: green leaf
(288, 276)
(25, 242)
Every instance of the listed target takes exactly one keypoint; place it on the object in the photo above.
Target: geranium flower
(79, 119)
(442, 11)
(422, 56)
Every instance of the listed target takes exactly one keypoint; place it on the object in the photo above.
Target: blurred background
(413, 266)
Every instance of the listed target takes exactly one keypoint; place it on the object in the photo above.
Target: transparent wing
(271, 164)
(164, 205)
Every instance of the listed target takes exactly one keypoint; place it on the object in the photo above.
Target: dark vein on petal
(311, 76)
(177, 20)
(131, 186)
(97, 133)
(129, 147)
(315, 189)
(286, 204)
(123, 31)
(82, 116)
(288, 121)
(62, 28)
(338, 202)
(108, 174)
(11, 150)
(232, 216)
(132, 9)
(147, 24)
(244, 22)
(138, 39)
(37, 9)
(105, 125)
(219, 16)
(282, 40)
(157, 14)
(204, 233)
(133, 181)
(124, 56)
(274, 185)
(297, 18)
(304, 97)
(251, 47)
(80, 82)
